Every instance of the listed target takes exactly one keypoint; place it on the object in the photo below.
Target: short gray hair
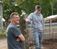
(12, 14)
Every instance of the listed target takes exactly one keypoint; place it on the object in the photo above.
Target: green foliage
(2, 34)
(48, 7)
(22, 24)
(28, 6)
(8, 8)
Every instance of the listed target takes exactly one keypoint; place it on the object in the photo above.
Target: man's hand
(17, 38)
(31, 43)
(27, 21)
(21, 37)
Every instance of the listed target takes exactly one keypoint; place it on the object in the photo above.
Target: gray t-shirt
(12, 33)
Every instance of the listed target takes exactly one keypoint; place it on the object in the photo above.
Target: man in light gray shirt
(36, 19)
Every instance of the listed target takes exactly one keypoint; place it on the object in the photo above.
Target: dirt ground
(50, 44)
(47, 44)
(3, 44)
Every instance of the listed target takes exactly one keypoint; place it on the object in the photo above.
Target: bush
(2, 34)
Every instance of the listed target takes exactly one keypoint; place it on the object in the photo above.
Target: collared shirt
(36, 21)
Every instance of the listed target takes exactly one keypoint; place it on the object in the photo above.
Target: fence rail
(50, 31)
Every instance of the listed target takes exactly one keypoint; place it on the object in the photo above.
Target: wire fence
(50, 31)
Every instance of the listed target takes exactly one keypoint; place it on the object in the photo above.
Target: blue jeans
(37, 39)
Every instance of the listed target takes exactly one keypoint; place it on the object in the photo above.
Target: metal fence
(49, 35)
(50, 31)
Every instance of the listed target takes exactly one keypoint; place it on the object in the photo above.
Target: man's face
(16, 19)
(38, 11)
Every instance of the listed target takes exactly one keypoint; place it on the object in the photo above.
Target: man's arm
(29, 18)
(21, 37)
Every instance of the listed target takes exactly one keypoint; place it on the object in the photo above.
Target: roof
(51, 17)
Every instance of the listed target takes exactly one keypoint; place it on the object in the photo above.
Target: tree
(48, 7)
(8, 8)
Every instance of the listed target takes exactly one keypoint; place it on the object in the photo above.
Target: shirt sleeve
(15, 31)
(29, 18)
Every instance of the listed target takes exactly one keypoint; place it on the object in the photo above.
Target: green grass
(47, 27)
(2, 34)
